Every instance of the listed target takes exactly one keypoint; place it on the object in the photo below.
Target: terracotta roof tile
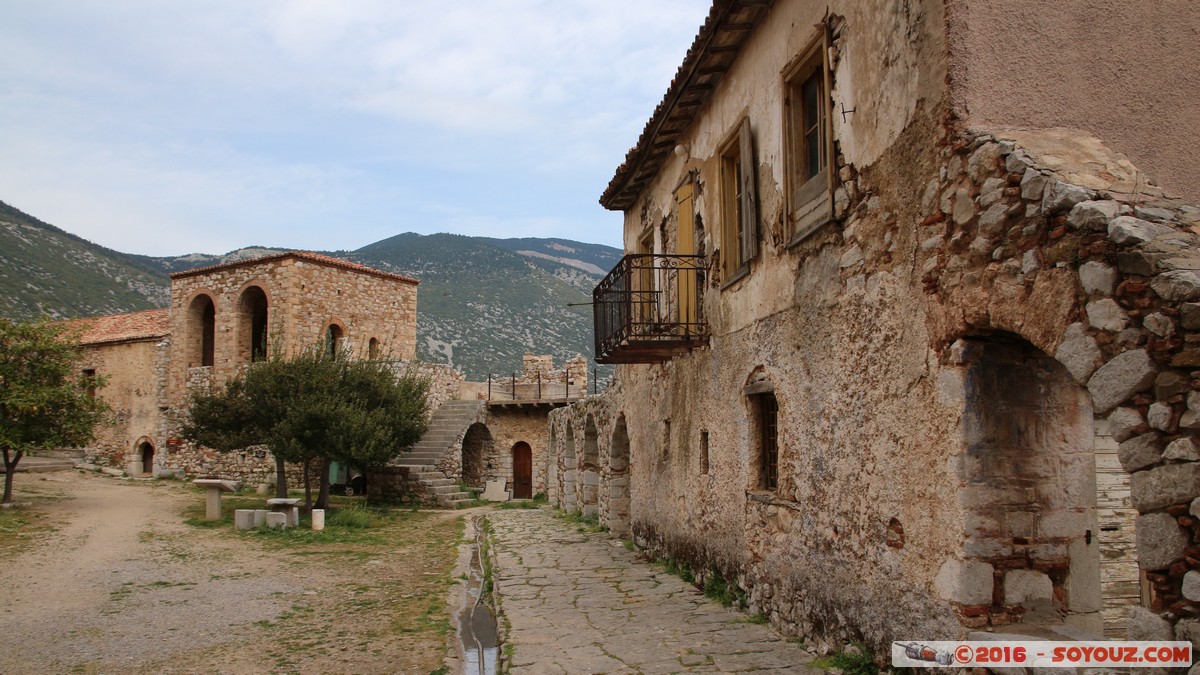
(309, 256)
(135, 326)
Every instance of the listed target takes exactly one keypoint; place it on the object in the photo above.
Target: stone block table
(213, 487)
(286, 506)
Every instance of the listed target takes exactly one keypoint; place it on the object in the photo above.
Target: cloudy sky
(165, 128)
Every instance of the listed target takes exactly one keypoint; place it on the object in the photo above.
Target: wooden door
(522, 471)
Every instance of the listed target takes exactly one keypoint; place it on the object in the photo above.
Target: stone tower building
(222, 318)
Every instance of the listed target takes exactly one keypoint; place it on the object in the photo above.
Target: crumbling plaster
(945, 234)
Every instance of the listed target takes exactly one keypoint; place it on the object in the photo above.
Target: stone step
(439, 482)
(441, 489)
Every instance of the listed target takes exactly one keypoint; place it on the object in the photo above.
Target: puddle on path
(477, 623)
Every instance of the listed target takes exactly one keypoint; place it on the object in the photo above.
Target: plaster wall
(136, 377)
(1128, 72)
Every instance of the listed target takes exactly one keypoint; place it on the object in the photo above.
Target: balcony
(647, 310)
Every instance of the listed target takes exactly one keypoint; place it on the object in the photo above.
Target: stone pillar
(212, 504)
(318, 519)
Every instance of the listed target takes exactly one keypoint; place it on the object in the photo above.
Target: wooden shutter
(749, 205)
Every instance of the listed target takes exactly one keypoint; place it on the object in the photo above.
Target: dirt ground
(108, 577)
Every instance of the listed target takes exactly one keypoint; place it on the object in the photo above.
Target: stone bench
(213, 487)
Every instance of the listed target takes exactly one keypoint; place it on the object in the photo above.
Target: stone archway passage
(522, 466)
(617, 482)
(1029, 487)
(476, 445)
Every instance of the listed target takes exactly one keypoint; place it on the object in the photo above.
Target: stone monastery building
(224, 317)
(220, 319)
(909, 343)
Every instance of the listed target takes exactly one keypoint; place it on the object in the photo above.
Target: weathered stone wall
(136, 375)
(979, 298)
(303, 299)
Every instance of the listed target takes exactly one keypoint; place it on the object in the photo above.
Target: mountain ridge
(483, 301)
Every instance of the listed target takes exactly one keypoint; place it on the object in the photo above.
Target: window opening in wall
(254, 317)
(739, 207)
(208, 321)
(89, 378)
(201, 331)
(768, 441)
(703, 453)
(373, 349)
(807, 107)
(333, 340)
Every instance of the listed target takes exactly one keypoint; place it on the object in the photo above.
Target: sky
(167, 128)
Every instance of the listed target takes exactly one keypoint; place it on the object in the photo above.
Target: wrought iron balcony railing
(648, 309)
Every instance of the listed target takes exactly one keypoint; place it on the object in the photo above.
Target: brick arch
(200, 329)
(334, 335)
(253, 311)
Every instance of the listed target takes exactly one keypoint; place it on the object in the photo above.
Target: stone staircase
(446, 426)
(50, 460)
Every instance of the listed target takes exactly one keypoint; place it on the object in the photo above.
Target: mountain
(45, 271)
(481, 305)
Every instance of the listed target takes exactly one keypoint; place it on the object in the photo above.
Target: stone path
(582, 603)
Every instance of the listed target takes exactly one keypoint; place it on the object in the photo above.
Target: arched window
(333, 340)
(201, 331)
(373, 349)
(252, 309)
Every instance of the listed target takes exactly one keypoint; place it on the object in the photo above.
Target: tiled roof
(309, 256)
(135, 326)
(729, 24)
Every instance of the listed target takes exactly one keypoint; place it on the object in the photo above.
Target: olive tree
(317, 405)
(45, 400)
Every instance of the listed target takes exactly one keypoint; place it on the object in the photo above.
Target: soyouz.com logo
(1040, 654)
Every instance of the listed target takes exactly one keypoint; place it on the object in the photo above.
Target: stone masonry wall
(959, 262)
(133, 390)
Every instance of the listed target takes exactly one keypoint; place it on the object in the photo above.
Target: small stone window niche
(739, 204)
(809, 145)
(764, 427)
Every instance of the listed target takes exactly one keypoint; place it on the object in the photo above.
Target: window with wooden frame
(807, 107)
(764, 427)
(739, 204)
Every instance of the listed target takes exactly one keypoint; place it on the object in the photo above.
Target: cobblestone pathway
(582, 603)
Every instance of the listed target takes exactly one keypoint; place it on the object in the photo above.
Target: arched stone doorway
(145, 452)
(618, 480)
(522, 471)
(477, 444)
(1031, 543)
(589, 484)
